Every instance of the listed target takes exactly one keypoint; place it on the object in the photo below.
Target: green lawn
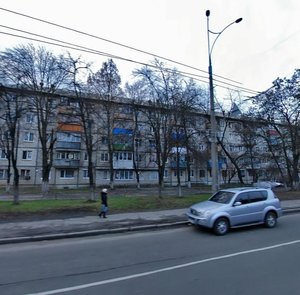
(116, 204)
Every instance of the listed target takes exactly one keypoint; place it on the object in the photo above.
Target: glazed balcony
(68, 145)
(66, 163)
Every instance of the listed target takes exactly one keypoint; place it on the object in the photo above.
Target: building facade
(134, 152)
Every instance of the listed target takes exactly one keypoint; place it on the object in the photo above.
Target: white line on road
(148, 273)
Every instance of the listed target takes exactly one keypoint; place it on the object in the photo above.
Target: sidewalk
(14, 232)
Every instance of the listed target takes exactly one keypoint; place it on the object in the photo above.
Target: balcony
(127, 164)
(182, 164)
(122, 147)
(68, 145)
(66, 163)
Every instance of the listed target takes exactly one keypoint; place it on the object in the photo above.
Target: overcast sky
(264, 46)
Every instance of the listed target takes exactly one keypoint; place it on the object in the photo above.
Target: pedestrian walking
(104, 206)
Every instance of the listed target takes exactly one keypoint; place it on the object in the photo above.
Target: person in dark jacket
(104, 206)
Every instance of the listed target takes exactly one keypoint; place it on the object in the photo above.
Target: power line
(72, 46)
(103, 53)
(113, 42)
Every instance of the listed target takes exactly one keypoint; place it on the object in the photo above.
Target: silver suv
(236, 207)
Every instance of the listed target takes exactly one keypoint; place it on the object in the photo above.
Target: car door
(239, 213)
(257, 204)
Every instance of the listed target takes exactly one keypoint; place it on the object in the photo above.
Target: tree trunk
(92, 194)
(16, 189)
(45, 188)
(160, 191)
(179, 190)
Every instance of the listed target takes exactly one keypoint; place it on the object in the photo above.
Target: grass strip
(116, 204)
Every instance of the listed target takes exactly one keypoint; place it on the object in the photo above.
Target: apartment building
(133, 151)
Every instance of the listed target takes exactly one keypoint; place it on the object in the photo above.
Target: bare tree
(274, 154)
(159, 115)
(86, 112)
(11, 111)
(279, 107)
(247, 131)
(38, 70)
(137, 94)
(105, 84)
(187, 102)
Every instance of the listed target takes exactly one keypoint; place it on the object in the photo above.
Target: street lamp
(214, 155)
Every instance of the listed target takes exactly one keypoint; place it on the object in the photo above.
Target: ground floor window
(67, 173)
(3, 173)
(153, 175)
(3, 154)
(85, 173)
(201, 173)
(124, 174)
(180, 173)
(104, 157)
(105, 174)
(25, 174)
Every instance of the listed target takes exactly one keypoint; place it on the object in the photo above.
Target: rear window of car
(222, 197)
(258, 196)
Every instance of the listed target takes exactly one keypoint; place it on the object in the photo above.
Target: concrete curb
(291, 210)
(80, 234)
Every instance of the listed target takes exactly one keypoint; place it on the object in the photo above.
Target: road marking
(148, 273)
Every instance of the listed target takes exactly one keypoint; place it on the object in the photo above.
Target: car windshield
(222, 197)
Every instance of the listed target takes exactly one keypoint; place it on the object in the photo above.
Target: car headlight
(205, 214)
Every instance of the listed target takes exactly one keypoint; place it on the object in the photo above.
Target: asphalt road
(187, 260)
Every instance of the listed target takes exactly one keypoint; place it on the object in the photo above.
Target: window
(85, 157)
(201, 173)
(67, 155)
(68, 137)
(67, 173)
(166, 174)
(123, 156)
(3, 173)
(104, 140)
(222, 197)
(104, 157)
(28, 136)
(25, 174)
(139, 157)
(29, 118)
(105, 174)
(3, 155)
(124, 174)
(180, 173)
(85, 173)
(258, 196)
(152, 158)
(27, 155)
(138, 142)
(243, 198)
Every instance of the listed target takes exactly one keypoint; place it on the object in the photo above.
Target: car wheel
(221, 226)
(270, 220)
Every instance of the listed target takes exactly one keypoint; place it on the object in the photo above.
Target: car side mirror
(237, 204)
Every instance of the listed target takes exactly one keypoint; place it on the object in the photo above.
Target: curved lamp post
(214, 155)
